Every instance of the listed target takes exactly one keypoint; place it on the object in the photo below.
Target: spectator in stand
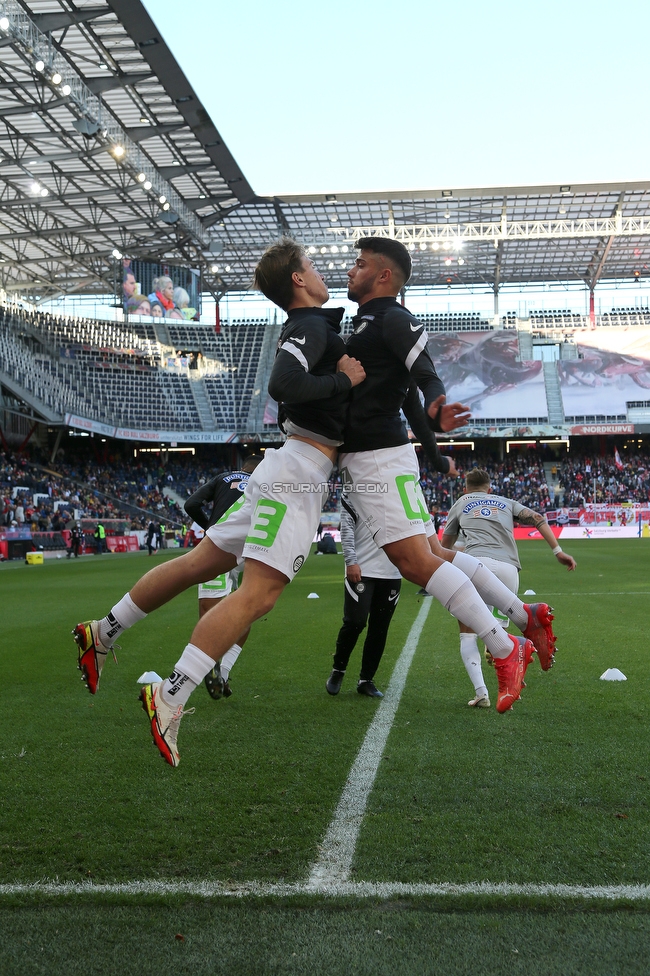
(163, 292)
(138, 305)
(157, 311)
(182, 302)
(129, 285)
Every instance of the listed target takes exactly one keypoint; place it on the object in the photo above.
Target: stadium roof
(106, 150)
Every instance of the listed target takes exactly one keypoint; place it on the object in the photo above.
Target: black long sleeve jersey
(220, 492)
(391, 345)
(312, 396)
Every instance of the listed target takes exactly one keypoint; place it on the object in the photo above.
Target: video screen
(159, 291)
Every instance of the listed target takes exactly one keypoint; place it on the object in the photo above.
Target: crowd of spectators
(88, 489)
(519, 476)
(123, 487)
(584, 480)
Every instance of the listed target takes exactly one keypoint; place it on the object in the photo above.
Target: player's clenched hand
(353, 573)
(453, 470)
(352, 369)
(449, 415)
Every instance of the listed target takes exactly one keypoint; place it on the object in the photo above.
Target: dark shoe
(215, 683)
(227, 690)
(368, 688)
(334, 682)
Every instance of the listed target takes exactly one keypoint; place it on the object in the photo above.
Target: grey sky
(385, 95)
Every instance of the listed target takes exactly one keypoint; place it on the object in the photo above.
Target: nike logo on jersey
(416, 328)
(300, 341)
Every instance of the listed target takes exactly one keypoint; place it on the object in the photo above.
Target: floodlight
(4, 23)
(344, 249)
(330, 265)
(312, 249)
(447, 260)
(56, 78)
(334, 249)
(147, 184)
(435, 246)
(323, 250)
(118, 151)
(116, 254)
(461, 260)
(228, 268)
(65, 90)
(165, 205)
(162, 199)
(44, 191)
(35, 188)
(447, 245)
(141, 177)
(457, 243)
(40, 65)
(214, 268)
(411, 246)
(423, 246)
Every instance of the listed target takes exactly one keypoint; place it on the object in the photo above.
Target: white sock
(472, 660)
(188, 673)
(228, 660)
(491, 590)
(123, 615)
(458, 595)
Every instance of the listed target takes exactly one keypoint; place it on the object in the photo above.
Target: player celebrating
(273, 523)
(486, 522)
(379, 465)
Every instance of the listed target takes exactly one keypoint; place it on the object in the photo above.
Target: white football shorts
(276, 518)
(221, 586)
(385, 490)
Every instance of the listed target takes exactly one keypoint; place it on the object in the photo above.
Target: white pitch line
(337, 849)
(354, 889)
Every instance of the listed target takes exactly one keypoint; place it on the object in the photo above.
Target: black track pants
(372, 601)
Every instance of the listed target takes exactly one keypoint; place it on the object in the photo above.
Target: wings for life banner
(483, 370)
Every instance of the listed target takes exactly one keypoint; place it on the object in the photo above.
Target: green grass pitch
(554, 792)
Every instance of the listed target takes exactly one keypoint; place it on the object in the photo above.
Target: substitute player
(486, 522)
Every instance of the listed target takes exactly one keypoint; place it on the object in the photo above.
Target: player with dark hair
(486, 522)
(379, 465)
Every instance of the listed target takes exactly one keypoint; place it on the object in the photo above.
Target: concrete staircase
(553, 393)
(202, 401)
(555, 490)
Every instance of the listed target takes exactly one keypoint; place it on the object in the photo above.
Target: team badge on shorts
(297, 563)
(360, 587)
